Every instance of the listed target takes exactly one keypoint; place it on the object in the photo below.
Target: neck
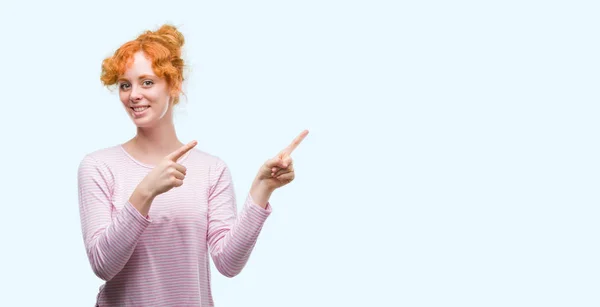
(159, 140)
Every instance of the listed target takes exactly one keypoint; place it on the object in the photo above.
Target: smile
(140, 109)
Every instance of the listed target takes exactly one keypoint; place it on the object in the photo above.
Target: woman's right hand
(167, 174)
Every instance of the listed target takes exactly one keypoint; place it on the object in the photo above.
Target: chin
(144, 122)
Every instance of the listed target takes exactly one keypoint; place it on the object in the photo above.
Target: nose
(136, 95)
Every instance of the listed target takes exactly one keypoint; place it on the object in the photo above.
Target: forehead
(138, 65)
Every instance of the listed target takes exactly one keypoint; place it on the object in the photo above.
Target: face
(145, 96)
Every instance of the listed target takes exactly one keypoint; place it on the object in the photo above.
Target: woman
(153, 208)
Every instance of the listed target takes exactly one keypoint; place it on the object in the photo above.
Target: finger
(177, 182)
(286, 177)
(287, 161)
(274, 170)
(288, 150)
(174, 156)
(177, 174)
(273, 163)
(270, 166)
(282, 171)
(286, 164)
(280, 164)
(180, 168)
(290, 167)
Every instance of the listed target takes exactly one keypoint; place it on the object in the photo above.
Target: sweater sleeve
(231, 237)
(109, 237)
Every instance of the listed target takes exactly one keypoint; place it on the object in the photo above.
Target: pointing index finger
(288, 150)
(174, 156)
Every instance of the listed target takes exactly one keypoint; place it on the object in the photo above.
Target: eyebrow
(139, 78)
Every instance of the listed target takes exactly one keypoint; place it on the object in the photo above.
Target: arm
(231, 238)
(109, 239)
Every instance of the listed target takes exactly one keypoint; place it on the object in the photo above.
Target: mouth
(139, 112)
(140, 108)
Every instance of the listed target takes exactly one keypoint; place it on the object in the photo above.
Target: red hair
(162, 47)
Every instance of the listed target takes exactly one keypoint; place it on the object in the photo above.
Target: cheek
(124, 97)
(157, 95)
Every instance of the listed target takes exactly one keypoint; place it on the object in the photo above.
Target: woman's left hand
(279, 171)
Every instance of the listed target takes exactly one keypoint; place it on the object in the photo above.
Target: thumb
(274, 162)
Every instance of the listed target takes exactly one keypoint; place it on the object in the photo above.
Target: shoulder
(100, 160)
(103, 154)
(212, 165)
(201, 157)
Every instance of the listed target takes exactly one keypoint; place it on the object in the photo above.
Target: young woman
(153, 208)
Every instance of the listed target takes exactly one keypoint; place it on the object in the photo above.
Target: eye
(124, 86)
(147, 82)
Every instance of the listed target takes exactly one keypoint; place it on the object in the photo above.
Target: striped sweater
(162, 259)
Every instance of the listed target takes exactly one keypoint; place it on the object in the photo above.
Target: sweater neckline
(146, 165)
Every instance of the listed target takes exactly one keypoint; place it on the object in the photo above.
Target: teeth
(140, 109)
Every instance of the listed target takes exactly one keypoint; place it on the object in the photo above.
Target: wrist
(142, 199)
(145, 191)
(261, 193)
(262, 186)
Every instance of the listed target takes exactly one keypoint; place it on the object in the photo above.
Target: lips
(139, 111)
(140, 108)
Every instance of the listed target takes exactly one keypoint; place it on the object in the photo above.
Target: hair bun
(171, 35)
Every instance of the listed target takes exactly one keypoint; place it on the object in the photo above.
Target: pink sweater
(162, 259)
